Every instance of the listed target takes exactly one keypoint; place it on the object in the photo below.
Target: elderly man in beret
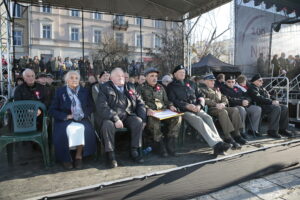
(278, 115)
(189, 100)
(155, 98)
(229, 117)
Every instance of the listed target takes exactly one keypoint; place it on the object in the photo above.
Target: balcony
(120, 25)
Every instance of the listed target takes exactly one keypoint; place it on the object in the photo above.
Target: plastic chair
(24, 121)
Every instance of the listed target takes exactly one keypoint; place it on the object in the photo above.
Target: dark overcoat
(59, 109)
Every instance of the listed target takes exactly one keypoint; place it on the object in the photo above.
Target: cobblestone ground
(279, 186)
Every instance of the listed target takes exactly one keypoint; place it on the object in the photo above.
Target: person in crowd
(71, 108)
(119, 106)
(126, 76)
(90, 83)
(41, 78)
(82, 67)
(261, 68)
(220, 82)
(229, 117)
(155, 98)
(139, 84)
(238, 98)
(188, 100)
(276, 66)
(49, 85)
(42, 64)
(102, 78)
(68, 63)
(19, 81)
(283, 63)
(278, 115)
(166, 79)
(61, 65)
(31, 90)
(35, 66)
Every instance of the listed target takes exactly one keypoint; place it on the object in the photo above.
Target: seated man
(188, 100)
(238, 98)
(31, 90)
(155, 98)
(229, 117)
(278, 115)
(118, 106)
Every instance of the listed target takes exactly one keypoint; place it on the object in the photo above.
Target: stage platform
(195, 172)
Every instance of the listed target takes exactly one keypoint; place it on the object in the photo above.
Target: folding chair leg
(10, 153)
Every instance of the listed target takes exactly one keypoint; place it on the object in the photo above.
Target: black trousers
(133, 123)
(278, 116)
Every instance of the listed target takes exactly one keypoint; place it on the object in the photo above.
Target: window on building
(75, 34)
(120, 19)
(18, 38)
(139, 21)
(47, 31)
(120, 38)
(98, 16)
(157, 41)
(97, 36)
(138, 40)
(75, 13)
(18, 11)
(46, 9)
(158, 24)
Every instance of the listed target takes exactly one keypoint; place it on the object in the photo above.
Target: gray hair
(67, 76)
(117, 69)
(26, 71)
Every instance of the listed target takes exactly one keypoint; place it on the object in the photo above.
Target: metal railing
(278, 87)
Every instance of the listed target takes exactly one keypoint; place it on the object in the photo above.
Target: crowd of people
(117, 100)
(288, 66)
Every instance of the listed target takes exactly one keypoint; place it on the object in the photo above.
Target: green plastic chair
(24, 127)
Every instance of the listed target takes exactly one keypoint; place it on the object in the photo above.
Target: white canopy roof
(172, 10)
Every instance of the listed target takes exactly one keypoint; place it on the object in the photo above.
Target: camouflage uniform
(156, 98)
(228, 117)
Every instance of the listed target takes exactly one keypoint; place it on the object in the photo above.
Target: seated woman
(71, 108)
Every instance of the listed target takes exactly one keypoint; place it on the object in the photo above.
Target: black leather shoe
(67, 165)
(274, 134)
(240, 140)
(226, 146)
(235, 145)
(218, 149)
(136, 155)
(285, 133)
(244, 135)
(254, 133)
(111, 160)
(78, 164)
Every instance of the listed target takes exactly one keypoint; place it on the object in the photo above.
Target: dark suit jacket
(259, 95)
(109, 100)
(234, 95)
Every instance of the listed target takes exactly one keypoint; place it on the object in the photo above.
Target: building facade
(58, 32)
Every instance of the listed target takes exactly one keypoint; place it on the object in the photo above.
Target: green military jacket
(213, 96)
(155, 98)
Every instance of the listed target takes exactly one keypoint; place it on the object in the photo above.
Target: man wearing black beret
(188, 99)
(278, 116)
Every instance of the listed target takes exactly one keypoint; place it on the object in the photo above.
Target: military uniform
(184, 93)
(228, 117)
(156, 98)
